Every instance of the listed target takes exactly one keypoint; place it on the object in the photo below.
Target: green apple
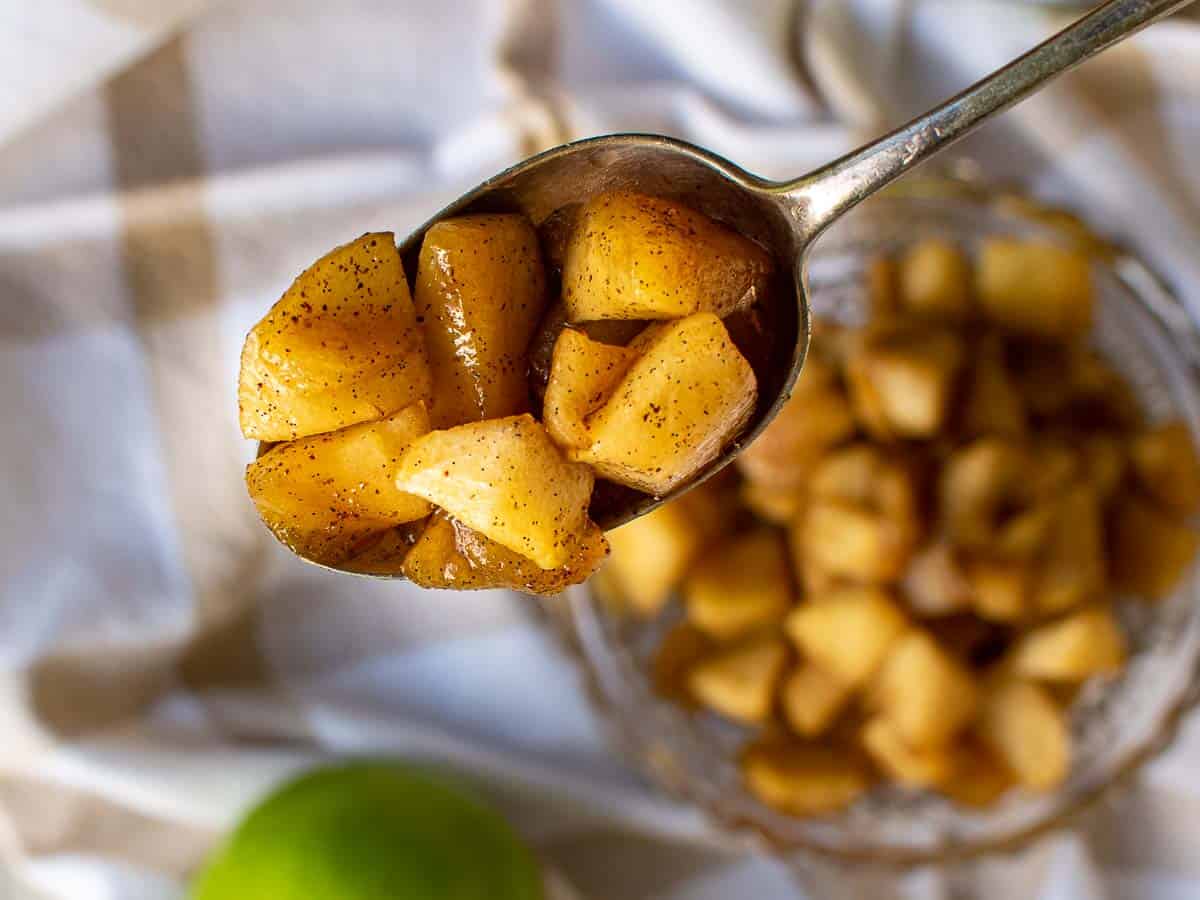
(371, 831)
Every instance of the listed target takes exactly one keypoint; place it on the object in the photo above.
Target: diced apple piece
(936, 583)
(1165, 463)
(935, 280)
(342, 346)
(540, 353)
(740, 682)
(1000, 589)
(804, 779)
(1072, 568)
(651, 554)
(741, 587)
(926, 766)
(848, 633)
(322, 495)
(979, 779)
(450, 555)
(680, 650)
(383, 553)
(924, 691)
(812, 698)
(680, 403)
(901, 383)
(1035, 288)
(1150, 550)
(992, 402)
(861, 522)
(632, 256)
(854, 543)
(506, 479)
(1104, 461)
(806, 427)
(1086, 643)
(780, 506)
(979, 484)
(582, 375)
(1021, 724)
(481, 290)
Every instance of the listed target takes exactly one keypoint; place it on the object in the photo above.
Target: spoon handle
(822, 196)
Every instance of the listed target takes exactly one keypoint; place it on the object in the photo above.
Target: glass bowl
(1117, 725)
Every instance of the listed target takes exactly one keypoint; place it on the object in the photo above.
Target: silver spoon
(785, 217)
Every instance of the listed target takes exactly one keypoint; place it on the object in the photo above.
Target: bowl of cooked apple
(946, 599)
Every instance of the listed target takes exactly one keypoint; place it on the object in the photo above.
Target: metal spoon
(785, 217)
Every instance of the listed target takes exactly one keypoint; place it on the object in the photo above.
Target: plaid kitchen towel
(165, 170)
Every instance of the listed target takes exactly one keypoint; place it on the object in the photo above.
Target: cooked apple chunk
(448, 554)
(815, 418)
(583, 373)
(651, 554)
(722, 600)
(481, 291)
(935, 281)
(1150, 549)
(1164, 461)
(979, 778)
(740, 681)
(507, 480)
(1072, 568)
(679, 404)
(1086, 643)
(936, 583)
(1000, 589)
(804, 779)
(848, 632)
(924, 691)
(861, 520)
(341, 346)
(924, 766)
(632, 256)
(1034, 288)
(1021, 724)
(812, 698)
(901, 379)
(992, 402)
(322, 495)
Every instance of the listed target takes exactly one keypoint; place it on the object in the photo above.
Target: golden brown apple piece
(341, 346)
(481, 291)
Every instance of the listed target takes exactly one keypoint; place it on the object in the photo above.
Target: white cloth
(166, 168)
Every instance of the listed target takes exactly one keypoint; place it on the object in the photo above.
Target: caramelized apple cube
(848, 633)
(1035, 288)
(633, 256)
(680, 403)
(812, 698)
(481, 290)
(322, 495)
(582, 375)
(804, 779)
(924, 691)
(506, 479)
(926, 766)
(743, 586)
(935, 280)
(740, 682)
(1165, 464)
(1021, 724)
(450, 555)
(1086, 643)
(341, 346)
